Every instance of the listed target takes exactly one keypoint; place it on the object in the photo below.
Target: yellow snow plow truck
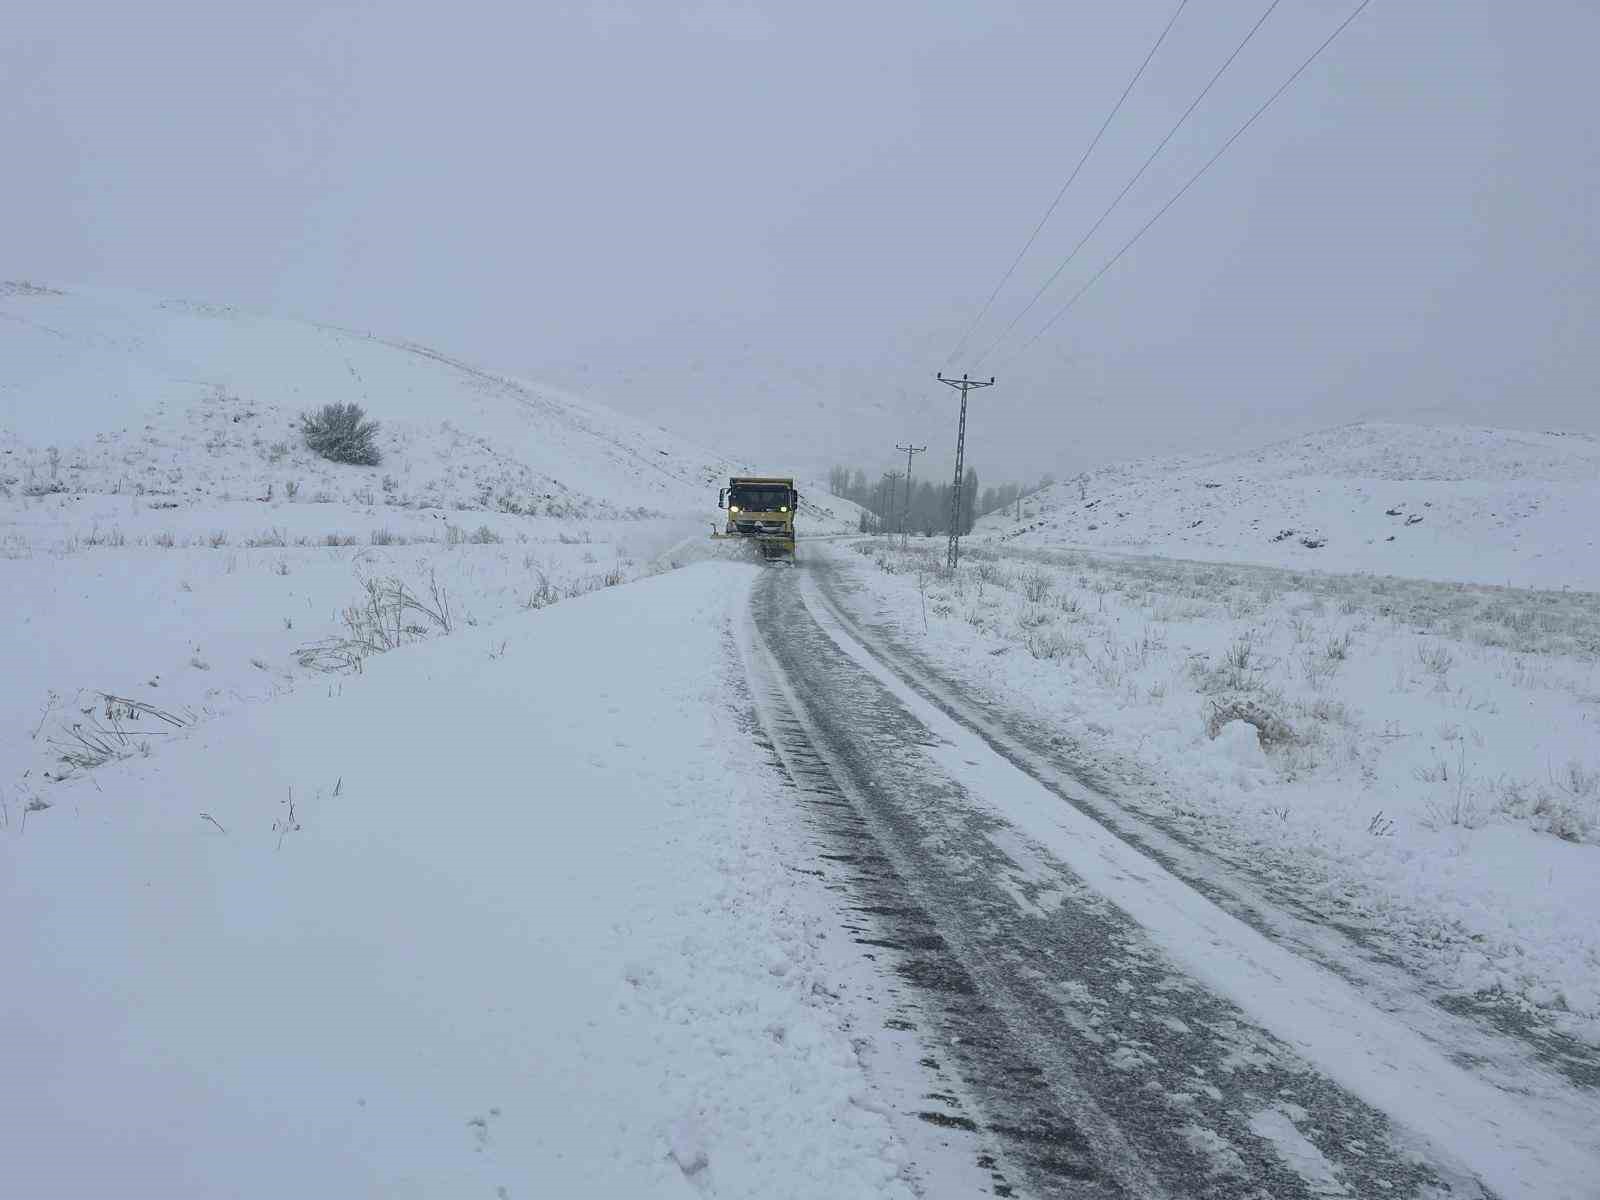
(761, 508)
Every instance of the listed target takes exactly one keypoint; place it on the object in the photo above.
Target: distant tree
(839, 481)
(967, 514)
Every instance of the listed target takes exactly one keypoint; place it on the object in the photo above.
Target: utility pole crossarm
(963, 385)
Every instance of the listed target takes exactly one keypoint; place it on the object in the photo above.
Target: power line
(1104, 125)
(1128, 187)
(1193, 179)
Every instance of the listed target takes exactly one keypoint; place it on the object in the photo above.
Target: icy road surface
(1113, 1032)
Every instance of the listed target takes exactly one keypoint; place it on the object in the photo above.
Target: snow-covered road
(1172, 1048)
(673, 889)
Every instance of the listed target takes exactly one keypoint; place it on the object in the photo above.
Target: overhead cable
(1054, 204)
(1128, 187)
(1193, 179)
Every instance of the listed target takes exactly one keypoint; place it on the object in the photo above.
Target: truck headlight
(733, 508)
(783, 508)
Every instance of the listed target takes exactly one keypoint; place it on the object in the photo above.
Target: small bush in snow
(1435, 659)
(1034, 616)
(342, 433)
(1036, 585)
(1052, 645)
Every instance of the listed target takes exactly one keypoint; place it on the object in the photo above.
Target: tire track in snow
(1097, 1067)
(1498, 1039)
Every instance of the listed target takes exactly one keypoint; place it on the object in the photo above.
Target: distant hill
(118, 392)
(1438, 502)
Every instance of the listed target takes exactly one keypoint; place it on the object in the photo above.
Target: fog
(768, 224)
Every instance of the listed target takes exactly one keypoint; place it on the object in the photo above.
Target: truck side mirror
(722, 495)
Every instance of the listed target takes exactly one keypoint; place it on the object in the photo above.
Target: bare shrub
(543, 595)
(484, 536)
(1052, 645)
(1036, 585)
(1553, 809)
(342, 433)
(1435, 658)
(1319, 669)
(1034, 617)
(388, 616)
(1240, 655)
(1578, 780)
(270, 537)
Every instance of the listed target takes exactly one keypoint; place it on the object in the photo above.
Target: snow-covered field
(167, 539)
(360, 835)
(288, 913)
(505, 915)
(1419, 759)
(1474, 505)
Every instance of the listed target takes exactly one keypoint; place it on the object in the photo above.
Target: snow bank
(1434, 776)
(490, 916)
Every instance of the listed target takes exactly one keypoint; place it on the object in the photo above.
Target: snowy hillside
(166, 538)
(1476, 505)
(182, 401)
(182, 577)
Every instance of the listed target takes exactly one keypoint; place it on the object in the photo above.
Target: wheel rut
(1084, 1062)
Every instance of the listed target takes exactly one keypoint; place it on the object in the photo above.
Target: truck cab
(762, 508)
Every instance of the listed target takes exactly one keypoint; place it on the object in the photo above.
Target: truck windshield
(758, 499)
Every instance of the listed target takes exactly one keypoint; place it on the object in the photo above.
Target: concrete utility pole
(905, 512)
(964, 385)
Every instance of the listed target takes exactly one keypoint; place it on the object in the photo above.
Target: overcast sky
(768, 223)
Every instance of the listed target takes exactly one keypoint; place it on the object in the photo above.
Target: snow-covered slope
(1479, 505)
(166, 537)
(182, 401)
(573, 964)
